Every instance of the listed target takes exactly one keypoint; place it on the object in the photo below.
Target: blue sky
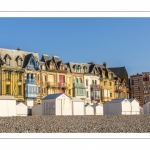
(117, 41)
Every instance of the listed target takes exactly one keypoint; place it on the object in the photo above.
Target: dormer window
(79, 69)
(19, 62)
(7, 61)
(31, 62)
(75, 68)
(85, 69)
(51, 66)
(61, 67)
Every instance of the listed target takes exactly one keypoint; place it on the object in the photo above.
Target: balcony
(95, 87)
(79, 85)
(52, 84)
(97, 98)
(60, 85)
(119, 90)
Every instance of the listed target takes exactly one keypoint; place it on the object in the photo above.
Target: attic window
(19, 62)
(7, 61)
(85, 69)
(31, 62)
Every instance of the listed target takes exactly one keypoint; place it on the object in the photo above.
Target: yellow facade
(12, 82)
(107, 87)
(69, 85)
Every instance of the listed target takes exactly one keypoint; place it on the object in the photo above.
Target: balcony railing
(52, 84)
(79, 85)
(96, 98)
(95, 87)
(119, 90)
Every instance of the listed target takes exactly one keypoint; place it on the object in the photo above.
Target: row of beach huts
(61, 104)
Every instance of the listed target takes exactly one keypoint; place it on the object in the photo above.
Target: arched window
(92, 81)
(80, 80)
(86, 82)
(7, 61)
(95, 82)
(75, 68)
(146, 78)
(85, 69)
(76, 80)
(79, 69)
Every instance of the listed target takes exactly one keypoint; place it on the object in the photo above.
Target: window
(76, 80)
(105, 83)
(19, 90)
(110, 83)
(19, 76)
(45, 78)
(85, 69)
(86, 82)
(38, 76)
(75, 68)
(110, 94)
(79, 69)
(69, 91)
(80, 80)
(132, 82)
(7, 89)
(146, 78)
(61, 67)
(8, 75)
(38, 89)
(31, 62)
(19, 62)
(92, 81)
(87, 94)
(7, 61)
(95, 82)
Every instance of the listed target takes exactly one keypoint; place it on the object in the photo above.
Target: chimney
(104, 64)
(18, 49)
(91, 63)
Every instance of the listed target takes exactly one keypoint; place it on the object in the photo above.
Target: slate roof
(132, 99)
(118, 100)
(53, 96)
(45, 57)
(121, 72)
(15, 54)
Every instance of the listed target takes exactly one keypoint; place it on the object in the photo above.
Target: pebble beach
(76, 124)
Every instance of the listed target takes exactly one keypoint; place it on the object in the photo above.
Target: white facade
(37, 110)
(57, 104)
(77, 106)
(146, 108)
(89, 110)
(88, 81)
(7, 106)
(117, 106)
(135, 107)
(21, 109)
(98, 109)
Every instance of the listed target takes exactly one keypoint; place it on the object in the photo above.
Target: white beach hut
(7, 106)
(98, 109)
(146, 108)
(57, 104)
(135, 107)
(77, 106)
(117, 106)
(89, 109)
(37, 110)
(21, 109)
